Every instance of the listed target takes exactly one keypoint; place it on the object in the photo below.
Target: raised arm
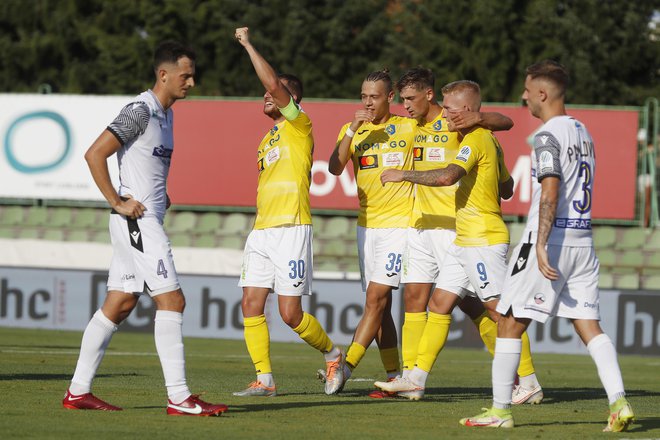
(265, 72)
(440, 177)
(97, 159)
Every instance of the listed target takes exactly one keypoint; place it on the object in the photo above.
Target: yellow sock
(390, 359)
(310, 331)
(432, 340)
(526, 366)
(354, 355)
(487, 330)
(257, 340)
(411, 333)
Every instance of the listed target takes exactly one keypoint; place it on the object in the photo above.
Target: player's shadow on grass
(40, 347)
(551, 395)
(46, 376)
(640, 425)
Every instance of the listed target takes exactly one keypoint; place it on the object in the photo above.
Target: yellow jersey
(435, 147)
(284, 159)
(478, 213)
(374, 148)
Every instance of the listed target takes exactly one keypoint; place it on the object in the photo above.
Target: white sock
(266, 379)
(169, 345)
(332, 354)
(505, 364)
(393, 374)
(95, 340)
(405, 374)
(529, 382)
(418, 376)
(603, 353)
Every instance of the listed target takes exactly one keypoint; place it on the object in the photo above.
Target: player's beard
(272, 111)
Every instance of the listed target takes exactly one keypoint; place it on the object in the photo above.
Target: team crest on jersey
(539, 298)
(390, 129)
(435, 154)
(273, 130)
(260, 164)
(464, 154)
(162, 151)
(418, 153)
(368, 162)
(392, 159)
(437, 125)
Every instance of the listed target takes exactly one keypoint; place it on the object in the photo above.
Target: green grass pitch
(36, 366)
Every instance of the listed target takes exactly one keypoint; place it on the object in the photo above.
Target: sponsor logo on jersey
(546, 163)
(392, 159)
(589, 305)
(437, 125)
(362, 131)
(435, 154)
(390, 129)
(273, 156)
(573, 223)
(368, 162)
(539, 298)
(464, 154)
(162, 151)
(128, 277)
(418, 153)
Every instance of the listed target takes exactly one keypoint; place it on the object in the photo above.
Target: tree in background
(104, 47)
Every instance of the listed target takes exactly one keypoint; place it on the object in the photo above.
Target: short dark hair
(294, 84)
(552, 71)
(419, 78)
(381, 75)
(170, 52)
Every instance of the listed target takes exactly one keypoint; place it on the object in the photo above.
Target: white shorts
(425, 253)
(279, 259)
(478, 270)
(380, 252)
(531, 295)
(142, 257)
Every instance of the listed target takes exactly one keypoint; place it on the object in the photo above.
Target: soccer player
(554, 271)
(433, 228)
(278, 251)
(141, 136)
(477, 256)
(377, 140)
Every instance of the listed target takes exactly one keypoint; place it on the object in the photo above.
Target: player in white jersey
(554, 270)
(141, 136)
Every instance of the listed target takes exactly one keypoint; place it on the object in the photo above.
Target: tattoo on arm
(440, 177)
(547, 210)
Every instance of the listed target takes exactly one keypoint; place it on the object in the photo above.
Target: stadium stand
(629, 256)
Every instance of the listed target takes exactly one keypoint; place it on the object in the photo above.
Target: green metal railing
(648, 165)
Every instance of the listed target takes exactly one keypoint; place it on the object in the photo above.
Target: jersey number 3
(584, 205)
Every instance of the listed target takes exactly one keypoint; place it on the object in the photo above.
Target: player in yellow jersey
(376, 140)
(477, 257)
(433, 229)
(278, 252)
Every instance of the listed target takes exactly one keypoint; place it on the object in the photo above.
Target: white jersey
(144, 129)
(563, 148)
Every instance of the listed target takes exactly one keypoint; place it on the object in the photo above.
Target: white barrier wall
(66, 299)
